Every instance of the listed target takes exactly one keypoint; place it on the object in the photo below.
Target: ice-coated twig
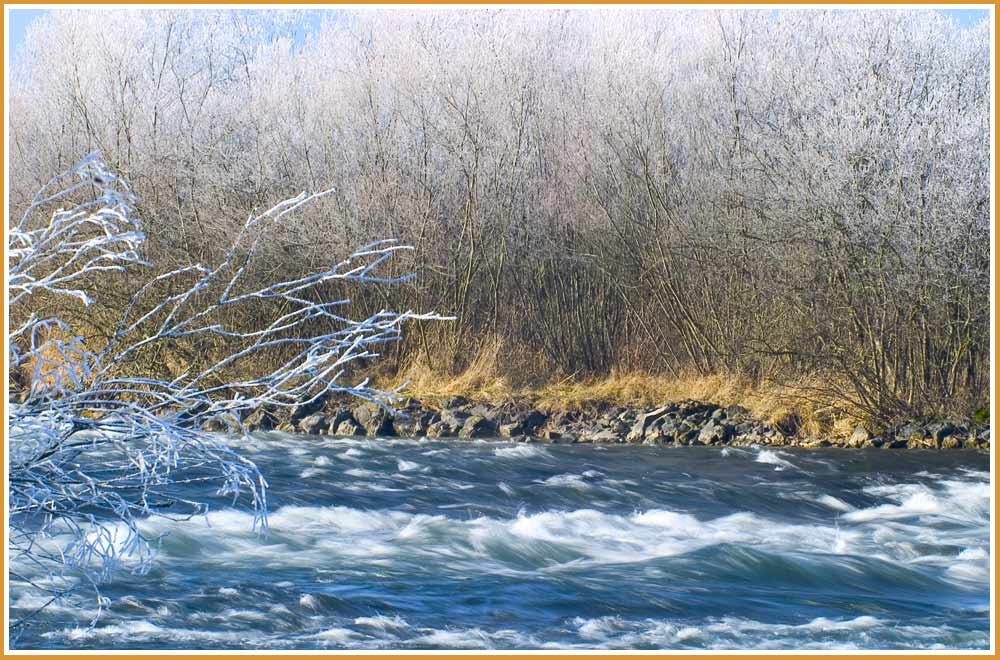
(96, 445)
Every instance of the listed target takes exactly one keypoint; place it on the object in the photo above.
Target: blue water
(403, 544)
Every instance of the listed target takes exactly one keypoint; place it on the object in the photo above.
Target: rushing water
(379, 544)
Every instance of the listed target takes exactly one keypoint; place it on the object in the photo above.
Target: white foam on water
(369, 486)
(575, 481)
(521, 451)
(967, 501)
(774, 458)
(911, 529)
(231, 614)
(834, 503)
(971, 565)
(407, 466)
(598, 628)
(473, 638)
(382, 622)
(941, 524)
(311, 472)
(974, 554)
(738, 633)
(322, 461)
(144, 630)
(337, 635)
(609, 632)
(28, 602)
(361, 473)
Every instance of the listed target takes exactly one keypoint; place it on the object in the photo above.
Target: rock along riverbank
(678, 423)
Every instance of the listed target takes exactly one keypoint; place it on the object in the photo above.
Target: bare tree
(786, 195)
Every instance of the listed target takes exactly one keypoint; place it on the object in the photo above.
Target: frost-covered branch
(97, 443)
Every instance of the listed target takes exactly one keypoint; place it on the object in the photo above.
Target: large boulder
(303, 410)
(943, 430)
(440, 429)
(980, 440)
(477, 426)
(454, 418)
(687, 436)
(482, 410)
(524, 423)
(509, 430)
(348, 427)
(314, 424)
(264, 418)
(859, 438)
(951, 442)
(613, 424)
(532, 421)
(374, 419)
(605, 436)
(715, 432)
(414, 424)
(669, 428)
(338, 417)
(638, 431)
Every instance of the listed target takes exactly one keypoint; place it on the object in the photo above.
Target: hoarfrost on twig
(95, 448)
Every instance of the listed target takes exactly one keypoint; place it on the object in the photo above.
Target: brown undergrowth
(806, 406)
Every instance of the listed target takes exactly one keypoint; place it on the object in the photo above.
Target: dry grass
(488, 378)
(55, 364)
(482, 380)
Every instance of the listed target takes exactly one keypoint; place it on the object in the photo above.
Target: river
(407, 544)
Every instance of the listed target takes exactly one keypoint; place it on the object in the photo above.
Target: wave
(871, 560)
(521, 451)
(967, 501)
(940, 527)
(607, 632)
(382, 622)
(574, 481)
(834, 503)
(772, 457)
(361, 473)
(739, 633)
(322, 536)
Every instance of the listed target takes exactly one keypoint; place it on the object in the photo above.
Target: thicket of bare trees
(772, 194)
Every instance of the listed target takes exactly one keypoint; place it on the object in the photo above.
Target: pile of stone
(680, 423)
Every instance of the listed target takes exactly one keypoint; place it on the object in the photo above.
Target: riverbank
(686, 422)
